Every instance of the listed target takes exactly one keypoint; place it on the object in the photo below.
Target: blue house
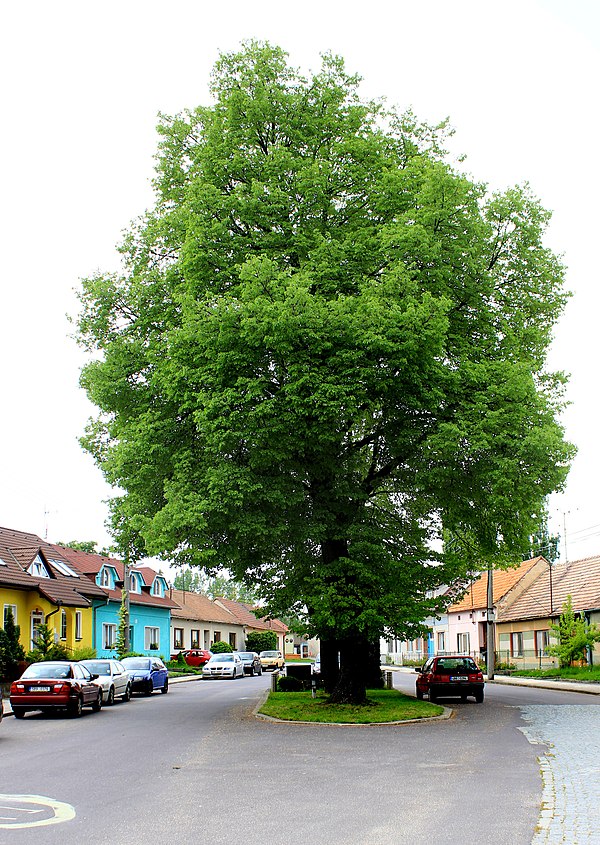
(149, 604)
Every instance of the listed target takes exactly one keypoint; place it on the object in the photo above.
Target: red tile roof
(247, 615)
(504, 580)
(579, 579)
(196, 606)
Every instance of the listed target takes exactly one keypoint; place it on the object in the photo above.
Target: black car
(251, 661)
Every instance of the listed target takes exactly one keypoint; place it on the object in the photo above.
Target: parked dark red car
(194, 656)
(450, 675)
(55, 685)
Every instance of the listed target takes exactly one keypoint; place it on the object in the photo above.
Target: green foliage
(11, 650)
(574, 634)
(214, 586)
(89, 546)
(263, 641)
(121, 641)
(542, 542)
(289, 684)
(220, 647)
(325, 351)
(84, 653)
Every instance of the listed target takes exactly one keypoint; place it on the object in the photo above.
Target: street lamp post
(491, 625)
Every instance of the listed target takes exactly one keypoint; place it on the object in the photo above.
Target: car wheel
(420, 694)
(252, 671)
(165, 688)
(432, 694)
(149, 688)
(463, 696)
(19, 712)
(110, 698)
(127, 696)
(479, 696)
(76, 709)
(97, 705)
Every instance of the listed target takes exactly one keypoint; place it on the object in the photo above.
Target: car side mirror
(94, 677)
(418, 669)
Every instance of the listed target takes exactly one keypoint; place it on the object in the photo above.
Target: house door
(430, 644)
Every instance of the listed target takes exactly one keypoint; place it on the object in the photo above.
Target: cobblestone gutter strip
(570, 769)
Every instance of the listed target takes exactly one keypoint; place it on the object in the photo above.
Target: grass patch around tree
(383, 706)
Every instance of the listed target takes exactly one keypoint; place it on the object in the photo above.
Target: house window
(134, 584)
(177, 637)
(8, 609)
(63, 624)
(37, 568)
(105, 578)
(516, 644)
(217, 638)
(232, 641)
(195, 639)
(37, 619)
(441, 641)
(463, 643)
(542, 641)
(157, 589)
(151, 639)
(78, 625)
(109, 635)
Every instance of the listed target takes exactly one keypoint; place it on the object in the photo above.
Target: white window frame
(78, 625)
(36, 619)
(8, 607)
(109, 635)
(63, 624)
(157, 588)
(134, 583)
(151, 637)
(461, 639)
(37, 568)
(105, 577)
(516, 644)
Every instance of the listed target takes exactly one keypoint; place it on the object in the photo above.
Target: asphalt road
(195, 766)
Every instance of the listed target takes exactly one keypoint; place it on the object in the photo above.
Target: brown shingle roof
(504, 580)
(90, 565)
(195, 606)
(579, 579)
(17, 551)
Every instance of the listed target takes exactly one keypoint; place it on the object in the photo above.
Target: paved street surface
(570, 772)
(195, 766)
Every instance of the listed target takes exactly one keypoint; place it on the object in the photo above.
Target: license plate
(459, 678)
(39, 689)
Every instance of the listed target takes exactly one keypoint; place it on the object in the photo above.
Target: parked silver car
(113, 679)
(223, 666)
(251, 661)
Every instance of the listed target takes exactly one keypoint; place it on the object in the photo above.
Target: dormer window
(134, 585)
(105, 578)
(157, 588)
(38, 568)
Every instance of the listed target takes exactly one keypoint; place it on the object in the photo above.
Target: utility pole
(491, 625)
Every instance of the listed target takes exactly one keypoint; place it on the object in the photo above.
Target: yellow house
(39, 587)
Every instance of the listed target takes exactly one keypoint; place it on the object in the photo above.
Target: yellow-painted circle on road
(32, 811)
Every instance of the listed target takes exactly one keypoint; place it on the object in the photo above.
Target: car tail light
(62, 687)
(16, 687)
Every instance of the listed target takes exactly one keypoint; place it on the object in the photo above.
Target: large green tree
(325, 352)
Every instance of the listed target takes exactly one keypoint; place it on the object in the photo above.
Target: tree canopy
(325, 354)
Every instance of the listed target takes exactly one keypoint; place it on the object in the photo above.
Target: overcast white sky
(82, 86)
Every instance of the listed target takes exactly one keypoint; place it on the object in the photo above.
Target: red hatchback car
(194, 656)
(450, 674)
(55, 685)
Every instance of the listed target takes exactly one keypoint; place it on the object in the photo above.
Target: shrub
(11, 650)
(220, 647)
(266, 641)
(85, 653)
(289, 684)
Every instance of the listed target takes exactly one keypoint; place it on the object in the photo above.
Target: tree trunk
(330, 666)
(351, 687)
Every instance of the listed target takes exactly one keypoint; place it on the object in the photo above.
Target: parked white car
(223, 666)
(113, 678)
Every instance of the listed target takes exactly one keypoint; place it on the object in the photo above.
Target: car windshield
(47, 670)
(455, 664)
(222, 658)
(269, 654)
(97, 667)
(246, 655)
(136, 663)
